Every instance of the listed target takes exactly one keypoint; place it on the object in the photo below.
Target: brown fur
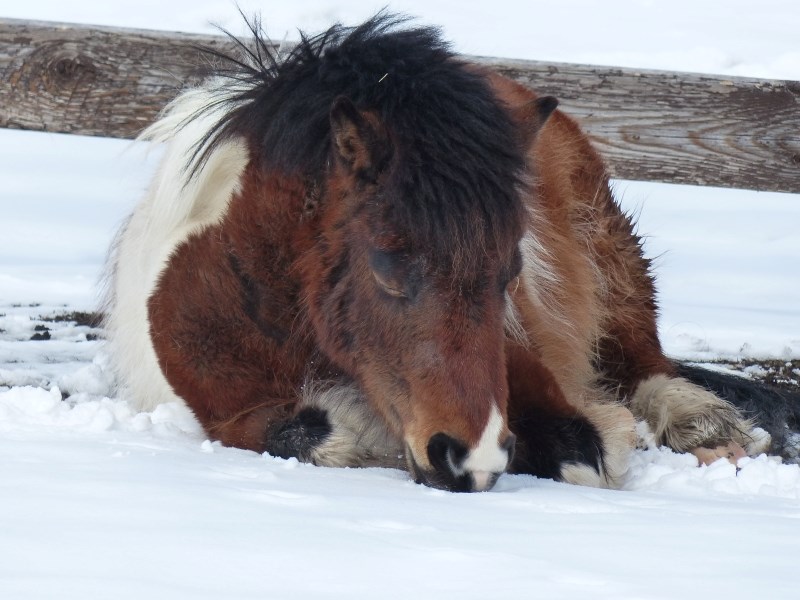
(603, 297)
(240, 368)
(240, 373)
(590, 315)
(249, 309)
(453, 370)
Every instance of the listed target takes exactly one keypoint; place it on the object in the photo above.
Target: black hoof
(299, 436)
(545, 444)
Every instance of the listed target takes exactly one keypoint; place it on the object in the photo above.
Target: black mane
(460, 158)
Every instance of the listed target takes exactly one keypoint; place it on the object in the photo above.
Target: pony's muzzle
(454, 468)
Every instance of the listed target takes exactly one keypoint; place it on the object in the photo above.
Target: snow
(99, 501)
(141, 506)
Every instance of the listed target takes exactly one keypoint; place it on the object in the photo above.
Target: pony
(368, 251)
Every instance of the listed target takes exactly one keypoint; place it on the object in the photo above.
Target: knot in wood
(72, 69)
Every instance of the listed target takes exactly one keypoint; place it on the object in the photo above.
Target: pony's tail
(774, 409)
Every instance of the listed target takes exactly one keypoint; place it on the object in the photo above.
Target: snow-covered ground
(97, 501)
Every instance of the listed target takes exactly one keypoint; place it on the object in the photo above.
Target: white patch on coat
(617, 428)
(580, 474)
(541, 284)
(538, 275)
(513, 323)
(175, 207)
(487, 457)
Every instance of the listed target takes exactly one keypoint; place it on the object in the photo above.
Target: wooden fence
(649, 125)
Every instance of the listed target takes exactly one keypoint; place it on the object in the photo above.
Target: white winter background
(99, 502)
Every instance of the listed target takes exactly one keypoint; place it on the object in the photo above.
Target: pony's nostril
(446, 454)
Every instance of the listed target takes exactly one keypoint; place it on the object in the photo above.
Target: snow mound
(662, 470)
(34, 409)
(38, 412)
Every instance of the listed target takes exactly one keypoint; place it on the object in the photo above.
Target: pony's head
(416, 170)
(407, 288)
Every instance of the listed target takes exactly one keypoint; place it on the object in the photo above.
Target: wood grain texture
(93, 80)
(649, 125)
(679, 127)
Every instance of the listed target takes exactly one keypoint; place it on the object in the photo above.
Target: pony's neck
(269, 222)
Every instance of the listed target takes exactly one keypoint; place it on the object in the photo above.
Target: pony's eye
(390, 288)
(387, 269)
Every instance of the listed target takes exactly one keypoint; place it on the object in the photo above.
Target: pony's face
(422, 335)
(436, 364)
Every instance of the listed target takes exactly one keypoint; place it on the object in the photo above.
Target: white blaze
(487, 458)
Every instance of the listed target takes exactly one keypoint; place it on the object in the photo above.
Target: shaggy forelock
(454, 185)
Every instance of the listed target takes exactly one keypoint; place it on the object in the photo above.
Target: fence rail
(649, 125)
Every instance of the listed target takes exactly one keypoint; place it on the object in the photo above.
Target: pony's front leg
(251, 392)
(331, 425)
(681, 414)
(335, 427)
(233, 352)
(587, 446)
(246, 398)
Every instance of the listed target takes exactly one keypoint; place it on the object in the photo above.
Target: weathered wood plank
(649, 125)
(679, 127)
(92, 80)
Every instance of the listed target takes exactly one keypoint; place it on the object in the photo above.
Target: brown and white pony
(374, 253)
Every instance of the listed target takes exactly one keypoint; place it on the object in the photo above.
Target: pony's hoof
(574, 449)
(688, 418)
(731, 451)
(758, 441)
(299, 436)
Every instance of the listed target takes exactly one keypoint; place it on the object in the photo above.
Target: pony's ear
(358, 139)
(533, 115)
